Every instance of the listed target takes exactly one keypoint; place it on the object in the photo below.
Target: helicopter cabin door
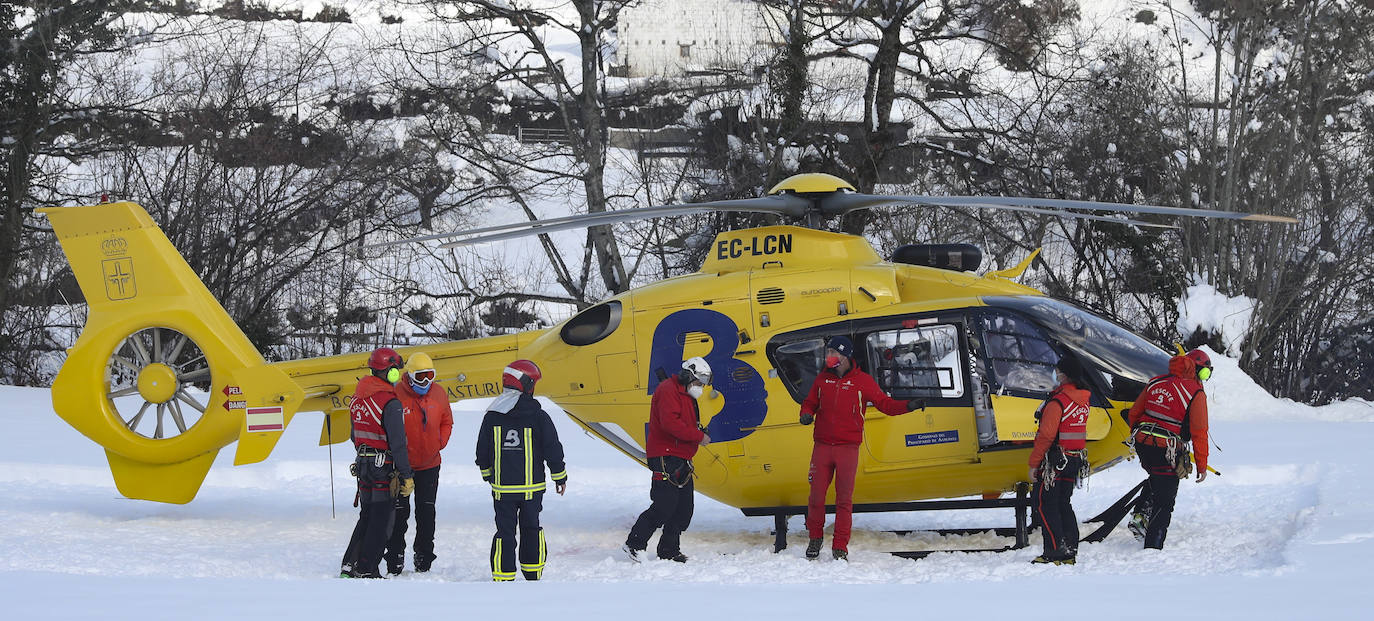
(918, 358)
(1016, 362)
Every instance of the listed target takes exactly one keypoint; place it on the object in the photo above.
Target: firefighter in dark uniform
(382, 464)
(674, 435)
(517, 439)
(1058, 460)
(1168, 414)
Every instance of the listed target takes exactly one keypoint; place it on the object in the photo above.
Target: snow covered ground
(1286, 532)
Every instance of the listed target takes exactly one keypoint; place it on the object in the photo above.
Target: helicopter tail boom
(161, 376)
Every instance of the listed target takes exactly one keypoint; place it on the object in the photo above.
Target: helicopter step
(1020, 503)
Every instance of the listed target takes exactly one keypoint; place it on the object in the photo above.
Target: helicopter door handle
(775, 262)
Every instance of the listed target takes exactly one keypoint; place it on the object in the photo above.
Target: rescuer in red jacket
(1058, 459)
(1168, 414)
(380, 438)
(428, 422)
(674, 435)
(836, 404)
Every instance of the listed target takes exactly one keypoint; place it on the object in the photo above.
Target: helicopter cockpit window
(799, 363)
(1018, 354)
(917, 362)
(592, 325)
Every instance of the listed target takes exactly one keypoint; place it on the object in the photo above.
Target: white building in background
(676, 37)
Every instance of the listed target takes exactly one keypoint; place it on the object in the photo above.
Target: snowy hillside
(1286, 532)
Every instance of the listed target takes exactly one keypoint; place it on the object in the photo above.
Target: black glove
(807, 419)
(915, 404)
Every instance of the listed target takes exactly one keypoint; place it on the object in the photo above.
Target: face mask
(420, 390)
(832, 362)
(694, 391)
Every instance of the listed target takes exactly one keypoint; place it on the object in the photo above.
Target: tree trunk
(593, 130)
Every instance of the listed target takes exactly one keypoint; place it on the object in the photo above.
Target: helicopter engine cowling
(957, 257)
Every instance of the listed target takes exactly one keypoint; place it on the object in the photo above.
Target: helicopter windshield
(1128, 358)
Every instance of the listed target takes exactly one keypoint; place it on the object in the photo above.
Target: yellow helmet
(419, 361)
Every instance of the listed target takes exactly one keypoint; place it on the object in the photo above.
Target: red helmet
(521, 375)
(384, 358)
(1200, 358)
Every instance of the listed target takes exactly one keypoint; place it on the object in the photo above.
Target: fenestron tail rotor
(813, 198)
(154, 377)
(161, 376)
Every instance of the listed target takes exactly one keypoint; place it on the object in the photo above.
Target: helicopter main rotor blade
(782, 204)
(841, 204)
(1074, 215)
(868, 201)
(786, 205)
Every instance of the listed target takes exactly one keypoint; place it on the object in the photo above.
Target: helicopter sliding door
(911, 357)
(919, 359)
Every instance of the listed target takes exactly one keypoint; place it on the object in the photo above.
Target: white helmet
(695, 368)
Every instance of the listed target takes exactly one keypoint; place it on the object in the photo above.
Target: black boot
(1154, 540)
(394, 563)
(813, 548)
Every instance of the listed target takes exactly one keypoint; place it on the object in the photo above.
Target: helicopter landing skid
(917, 555)
(1113, 515)
(1021, 503)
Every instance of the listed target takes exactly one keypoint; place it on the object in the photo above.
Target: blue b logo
(746, 401)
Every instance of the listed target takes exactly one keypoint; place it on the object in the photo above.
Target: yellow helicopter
(162, 378)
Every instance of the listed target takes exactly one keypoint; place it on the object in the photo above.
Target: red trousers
(838, 462)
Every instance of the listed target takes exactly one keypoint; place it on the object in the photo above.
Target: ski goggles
(422, 377)
(1204, 373)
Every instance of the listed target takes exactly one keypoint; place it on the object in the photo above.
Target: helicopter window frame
(1010, 360)
(905, 361)
(796, 374)
(798, 385)
(592, 325)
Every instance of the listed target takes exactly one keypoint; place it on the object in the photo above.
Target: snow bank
(1202, 307)
(1234, 396)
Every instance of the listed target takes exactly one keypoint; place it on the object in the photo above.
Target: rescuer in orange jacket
(428, 422)
(836, 403)
(1057, 461)
(379, 436)
(1169, 414)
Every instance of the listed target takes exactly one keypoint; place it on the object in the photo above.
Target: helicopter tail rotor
(161, 376)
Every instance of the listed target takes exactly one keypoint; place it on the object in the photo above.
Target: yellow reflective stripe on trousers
(538, 568)
(496, 573)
